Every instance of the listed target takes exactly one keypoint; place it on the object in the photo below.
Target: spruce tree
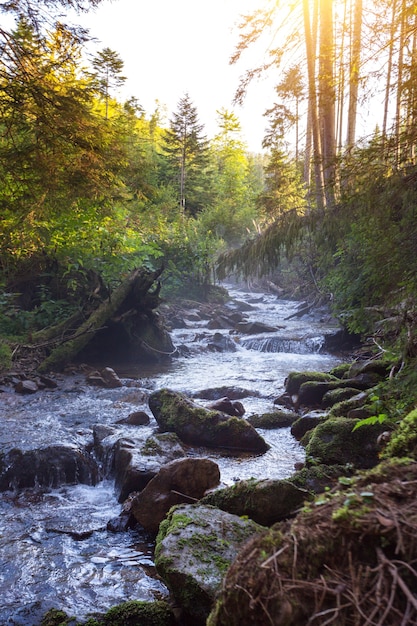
(186, 162)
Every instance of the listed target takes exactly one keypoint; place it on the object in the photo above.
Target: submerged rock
(181, 481)
(51, 466)
(198, 426)
(194, 548)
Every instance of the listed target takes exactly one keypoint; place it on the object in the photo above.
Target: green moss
(276, 419)
(403, 442)
(294, 380)
(341, 409)
(133, 613)
(340, 370)
(55, 617)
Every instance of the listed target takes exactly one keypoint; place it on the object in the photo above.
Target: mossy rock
(403, 442)
(275, 419)
(305, 423)
(194, 548)
(342, 409)
(55, 617)
(264, 501)
(380, 367)
(294, 380)
(317, 478)
(311, 392)
(341, 370)
(333, 396)
(196, 425)
(290, 574)
(134, 612)
(335, 442)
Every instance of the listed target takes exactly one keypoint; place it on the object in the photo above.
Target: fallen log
(118, 326)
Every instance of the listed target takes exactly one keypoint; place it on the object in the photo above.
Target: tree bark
(312, 98)
(355, 60)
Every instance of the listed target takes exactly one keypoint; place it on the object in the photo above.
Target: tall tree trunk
(327, 97)
(400, 74)
(355, 61)
(389, 74)
(312, 99)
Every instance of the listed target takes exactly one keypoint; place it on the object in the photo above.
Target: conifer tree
(187, 158)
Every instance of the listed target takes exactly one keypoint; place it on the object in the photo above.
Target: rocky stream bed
(76, 445)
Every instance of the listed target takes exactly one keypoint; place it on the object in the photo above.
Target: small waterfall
(308, 345)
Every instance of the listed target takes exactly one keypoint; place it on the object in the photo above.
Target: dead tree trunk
(124, 326)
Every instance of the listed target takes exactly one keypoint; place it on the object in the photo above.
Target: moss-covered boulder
(345, 407)
(294, 380)
(197, 426)
(318, 478)
(136, 612)
(380, 368)
(332, 561)
(336, 441)
(275, 419)
(131, 613)
(264, 501)
(340, 394)
(194, 548)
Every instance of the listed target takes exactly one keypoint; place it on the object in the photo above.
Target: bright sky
(170, 47)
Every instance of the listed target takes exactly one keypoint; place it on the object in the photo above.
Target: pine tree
(187, 158)
(108, 66)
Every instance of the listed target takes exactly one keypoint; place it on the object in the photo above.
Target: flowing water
(55, 548)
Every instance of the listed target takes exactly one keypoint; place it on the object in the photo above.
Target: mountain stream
(55, 548)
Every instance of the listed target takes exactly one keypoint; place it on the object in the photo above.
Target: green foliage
(5, 356)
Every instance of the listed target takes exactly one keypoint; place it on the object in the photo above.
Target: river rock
(334, 442)
(254, 328)
(221, 343)
(230, 407)
(305, 423)
(264, 501)
(294, 380)
(26, 387)
(51, 466)
(275, 419)
(136, 462)
(105, 377)
(198, 426)
(195, 546)
(136, 418)
(181, 481)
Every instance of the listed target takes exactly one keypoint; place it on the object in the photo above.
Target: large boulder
(51, 466)
(181, 481)
(197, 426)
(335, 442)
(194, 548)
(264, 501)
